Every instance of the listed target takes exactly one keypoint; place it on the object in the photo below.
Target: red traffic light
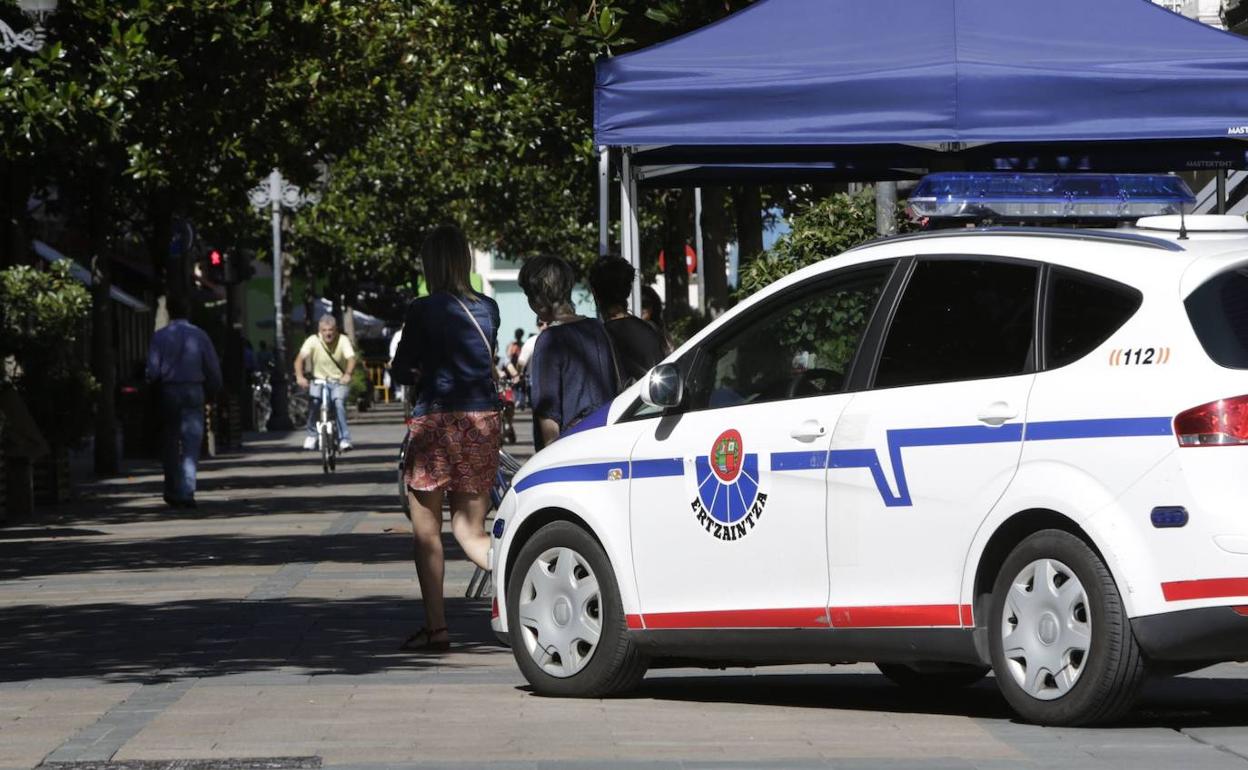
(214, 258)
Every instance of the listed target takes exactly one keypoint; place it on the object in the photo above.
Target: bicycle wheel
(324, 439)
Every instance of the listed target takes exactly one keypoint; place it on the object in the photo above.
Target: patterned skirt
(452, 452)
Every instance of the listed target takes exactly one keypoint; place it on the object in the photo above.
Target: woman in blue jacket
(448, 352)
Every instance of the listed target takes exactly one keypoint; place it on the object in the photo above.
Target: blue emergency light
(1035, 197)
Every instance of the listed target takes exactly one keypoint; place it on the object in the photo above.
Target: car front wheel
(568, 632)
(1060, 640)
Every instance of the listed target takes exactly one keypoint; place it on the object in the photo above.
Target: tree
(821, 230)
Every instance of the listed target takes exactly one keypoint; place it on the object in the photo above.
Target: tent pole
(697, 248)
(885, 206)
(1221, 191)
(604, 200)
(628, 227)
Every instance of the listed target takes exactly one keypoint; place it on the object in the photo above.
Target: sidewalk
(132, 631)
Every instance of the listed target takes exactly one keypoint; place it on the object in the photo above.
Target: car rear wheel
(567, 623)
(932, 677)
(1060, 640)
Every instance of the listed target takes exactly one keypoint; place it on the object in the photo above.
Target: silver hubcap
(1046, 629)
(560, 612)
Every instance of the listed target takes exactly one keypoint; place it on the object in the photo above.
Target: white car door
(728, 492)
(920, 458)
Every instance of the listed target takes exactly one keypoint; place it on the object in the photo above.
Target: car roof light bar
(998, 197)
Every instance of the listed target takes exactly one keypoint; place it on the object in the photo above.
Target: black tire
(616, 665)
(932, 677)
(1114, 667)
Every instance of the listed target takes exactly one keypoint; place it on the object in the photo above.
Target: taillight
(1220, 423)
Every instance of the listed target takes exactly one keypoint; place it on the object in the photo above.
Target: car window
(1084, 311)
(794, 348)
(1218, 311)
(961, 320)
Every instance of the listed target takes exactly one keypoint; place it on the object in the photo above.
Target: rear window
(1219, 314)
(1083, 311)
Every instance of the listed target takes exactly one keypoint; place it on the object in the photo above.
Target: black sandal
(423, 641)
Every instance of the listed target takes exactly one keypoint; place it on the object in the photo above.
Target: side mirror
(663, 387)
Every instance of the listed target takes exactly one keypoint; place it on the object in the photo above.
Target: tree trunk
(14, 193)
(236, 390)
(309, 301)
(675, 238)
(716, 232)
(103, 344)
(748, 203)
(166, 280)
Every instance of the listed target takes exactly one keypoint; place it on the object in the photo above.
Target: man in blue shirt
(183, 363)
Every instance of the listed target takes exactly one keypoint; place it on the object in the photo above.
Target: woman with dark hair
(448, 354)
(652, 313)
(638, 345)
(573, 369)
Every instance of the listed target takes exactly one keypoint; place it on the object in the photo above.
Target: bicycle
(326, 426)
(261, 399)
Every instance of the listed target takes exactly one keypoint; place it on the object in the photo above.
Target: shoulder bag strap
(489, 349)
(332, 360)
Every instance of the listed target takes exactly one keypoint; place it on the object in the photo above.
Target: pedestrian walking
(652, 313)
(447, 356)
(390, 382)
(573, 371)
(522, 365)
(183, 365)
(638, 345)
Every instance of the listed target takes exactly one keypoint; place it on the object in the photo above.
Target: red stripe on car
(812, 617)
(1213, 588)
(902, 615)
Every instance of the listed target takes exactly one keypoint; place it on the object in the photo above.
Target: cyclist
(332, 359)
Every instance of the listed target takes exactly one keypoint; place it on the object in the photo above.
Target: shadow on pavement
(26, 559)
(1170, 703)
(118, 510)
(163, 642)
(833, 691)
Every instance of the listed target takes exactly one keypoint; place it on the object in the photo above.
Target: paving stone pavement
(260, 632)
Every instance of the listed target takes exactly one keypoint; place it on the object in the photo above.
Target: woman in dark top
(448, 353)
(573, 370)
(638, 345)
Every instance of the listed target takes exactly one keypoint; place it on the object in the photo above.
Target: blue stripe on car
(869, 459)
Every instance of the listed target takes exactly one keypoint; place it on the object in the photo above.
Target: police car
(1022, 450)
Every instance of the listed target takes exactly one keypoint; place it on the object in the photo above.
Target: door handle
(808, 430)
(996, 413)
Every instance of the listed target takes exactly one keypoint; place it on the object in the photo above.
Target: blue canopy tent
(802, 89)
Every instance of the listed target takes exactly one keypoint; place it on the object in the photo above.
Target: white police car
(1023, 450)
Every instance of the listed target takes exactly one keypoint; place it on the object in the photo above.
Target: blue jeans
(338, 393)
(182, 413)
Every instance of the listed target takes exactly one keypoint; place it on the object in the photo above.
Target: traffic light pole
(276, 192)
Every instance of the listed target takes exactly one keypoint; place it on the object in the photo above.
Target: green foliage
(824, 229)
(43, 319)
(827, 329)
(359, 385)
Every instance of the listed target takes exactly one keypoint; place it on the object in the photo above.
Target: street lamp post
(29, 39)
(276, 193)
